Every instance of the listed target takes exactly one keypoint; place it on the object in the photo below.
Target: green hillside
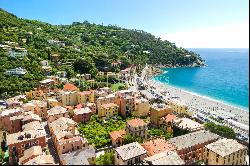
(90, 48)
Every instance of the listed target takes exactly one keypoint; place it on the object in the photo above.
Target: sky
(188, 23)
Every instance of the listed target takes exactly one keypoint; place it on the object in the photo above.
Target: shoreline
(206, 102)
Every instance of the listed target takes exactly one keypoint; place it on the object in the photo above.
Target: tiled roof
(136, 122)
(188, 124)
(85, 93)
(117, 134)
(192, 139)
(34, 125)
(169, 118)
(8, 112)
(156, 146)
(41, 160)
(225, 147)
(85, 110)
(56, 110)
(32, 151)
(69, 87)
(131, 150)
(165, 158)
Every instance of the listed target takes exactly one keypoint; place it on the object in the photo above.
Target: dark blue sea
(226, 77)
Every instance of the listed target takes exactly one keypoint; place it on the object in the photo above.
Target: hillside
(88, 47)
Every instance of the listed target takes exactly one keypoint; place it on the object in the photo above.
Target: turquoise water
(226, 77)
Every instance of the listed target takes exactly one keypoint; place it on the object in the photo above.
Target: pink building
(82, 114)
(65, 136)
(5, 119)
(56, 113)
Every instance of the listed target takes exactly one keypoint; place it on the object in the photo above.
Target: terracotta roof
(136, 122)
(70, 87)
(108, 105)
(117, 134)
(170, 118)
(156, 146)
(69, 107)
(79, 106)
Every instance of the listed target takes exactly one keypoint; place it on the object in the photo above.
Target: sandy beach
(201, 102)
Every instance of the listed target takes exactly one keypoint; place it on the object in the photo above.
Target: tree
(223, 131)
(1, 156)
(107, 158)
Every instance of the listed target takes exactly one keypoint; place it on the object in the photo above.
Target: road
(50, 143)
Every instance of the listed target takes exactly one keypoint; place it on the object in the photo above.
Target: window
(63, 147)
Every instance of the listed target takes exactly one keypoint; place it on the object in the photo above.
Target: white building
(16, 71)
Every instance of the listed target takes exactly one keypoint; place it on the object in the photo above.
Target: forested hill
(95, 46)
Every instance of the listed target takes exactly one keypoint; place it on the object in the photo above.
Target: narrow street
(50, 143)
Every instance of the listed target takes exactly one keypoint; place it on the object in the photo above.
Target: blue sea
(225, 78)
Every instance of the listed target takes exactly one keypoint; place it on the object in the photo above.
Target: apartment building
(6, 119)
(117, 137)
(33, 134)
(137, 127)
(130, 154)
(189, 125)
(82, 114)
(108, 110)
(157, 111)
(180, 108)
(142, 107)
(167, 122)
(225, 152)
(66, 136)
(69, 98)
(190, 147)
(85, 97)
(125, 100)
(56, 113)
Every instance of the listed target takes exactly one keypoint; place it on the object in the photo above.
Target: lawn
(118, 86)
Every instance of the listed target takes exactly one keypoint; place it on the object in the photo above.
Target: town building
(137, 127)
(105, 100)
(55, 57)
(142, 107)
(85, 97)
(79, 157)
(156, 146)
(69, 98)
(225, 152)
(92, 107)
(117, 137)
(167, 122)
(70, 87)
(66, 136)
(6, 119)
(188, 124)
(108, 110)
(180, 108)
(130, 154)
(125, 101)
(35, 94)
(35, 156)
(164, 158)
(157, 111)
(56, 113)
(33, 134)
(16, 71)
(82, 114)
(13, 103)
(190, 147)
(52, 102)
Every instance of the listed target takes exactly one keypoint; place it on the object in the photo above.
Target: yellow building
(105, 100)
(179, 107)
(142, 107)
(34, 94)
(85, 97)
(69, 98)
(107, 111)
(225, 152)
(51, 102)
(157, 111)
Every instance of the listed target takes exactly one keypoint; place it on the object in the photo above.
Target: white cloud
(226, 36)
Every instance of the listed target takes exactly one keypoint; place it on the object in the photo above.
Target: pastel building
(137, 127)
(117, 137)
(130, 154)
(225, 152)
(142, 107)
(35, 94)
(179, 107)
(6, 119)
(82, 114)
(190, 147)
(167, 122)
(69, 98)
(56, 113)
(13, 102)
(125, 101)
(33, 134)
(108, 110)
(66, 136)
(157, 111)
(85, 97)
(92, 107)
(157, 145)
